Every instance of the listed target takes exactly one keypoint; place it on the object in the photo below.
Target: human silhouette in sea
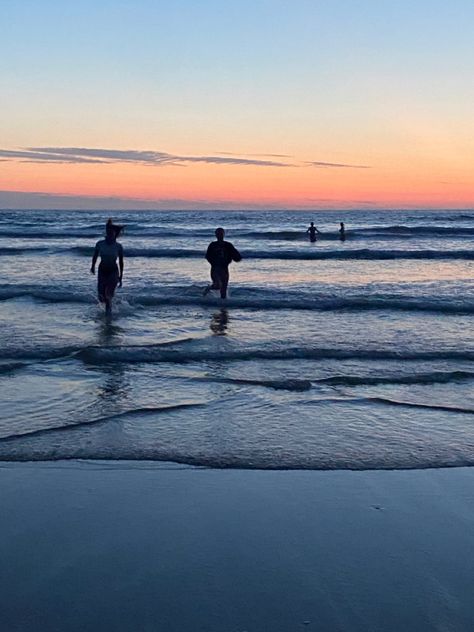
(220, 255)
(109, 274)
(342, 232)
(312, 231)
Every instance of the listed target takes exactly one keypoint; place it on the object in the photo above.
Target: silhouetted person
(342, 232)
(312, 231)
(109, 276)
(220, 254)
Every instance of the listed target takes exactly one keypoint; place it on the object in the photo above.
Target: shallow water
(355, 354)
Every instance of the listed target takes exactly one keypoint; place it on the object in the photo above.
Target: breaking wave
(305, 255)
(262, 299)
(282, 234)
(434, 377)
(156, 354)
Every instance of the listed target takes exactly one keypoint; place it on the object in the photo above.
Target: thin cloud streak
(38, 156)
(91, 155)
(231, 153)
(108, 156)
(336, 165)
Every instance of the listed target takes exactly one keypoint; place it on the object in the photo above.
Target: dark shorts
(219, 276)
(107, 280)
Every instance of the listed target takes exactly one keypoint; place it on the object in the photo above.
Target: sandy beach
(88, 546)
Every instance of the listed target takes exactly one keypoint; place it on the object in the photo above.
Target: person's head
(312, 224)
(110, 230)
(219, 233)
(342, 224)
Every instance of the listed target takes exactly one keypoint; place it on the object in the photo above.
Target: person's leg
(215, 278)
(100, 287)
(109, 291)
(224, 282)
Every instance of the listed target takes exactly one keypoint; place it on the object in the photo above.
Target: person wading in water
(109, 274)
(312, 231)
(220, 254)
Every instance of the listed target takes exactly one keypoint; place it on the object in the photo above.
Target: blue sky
(336, 80)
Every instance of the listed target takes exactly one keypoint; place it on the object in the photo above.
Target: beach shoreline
(93, 545)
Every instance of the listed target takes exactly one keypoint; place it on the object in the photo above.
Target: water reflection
(219, 322)
(115, 389)
(109, 334)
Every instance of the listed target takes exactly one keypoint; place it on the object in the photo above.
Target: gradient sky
(248, 104)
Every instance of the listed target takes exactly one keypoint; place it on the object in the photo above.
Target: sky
(246, 104)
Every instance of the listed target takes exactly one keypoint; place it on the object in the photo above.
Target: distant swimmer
(220, 254)
(342, 232)
(109, 276)
(312, 231)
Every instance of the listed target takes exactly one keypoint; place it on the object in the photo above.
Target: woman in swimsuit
(109, 276)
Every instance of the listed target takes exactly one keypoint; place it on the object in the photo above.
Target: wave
(44, 294)
(320, 303)
(278, 385)
(277, 234)
(446, 217)
(387, 401)
(149, 410)
(435, 377)
(305, 255)
(298, 384)
(252, 299)
(10, 367)
(152, 354)
(405, 404)
(327, 463)
(385, 232)
(168, 353)
(49, 234)
(150, 436)
(9, 251)
(40, 354)
(417, 231)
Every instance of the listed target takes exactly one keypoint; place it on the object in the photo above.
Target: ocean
(327, 355)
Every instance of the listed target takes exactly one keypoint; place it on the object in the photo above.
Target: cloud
(109, 156)
(230, 153)
(38, 156)
(336, 165)
(91, 155)
(103, 156)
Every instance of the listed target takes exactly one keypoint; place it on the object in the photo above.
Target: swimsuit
(108, 274)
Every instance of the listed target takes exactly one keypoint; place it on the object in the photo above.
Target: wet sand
(93, 546)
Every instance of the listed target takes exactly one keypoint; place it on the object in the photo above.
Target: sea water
(336, 354)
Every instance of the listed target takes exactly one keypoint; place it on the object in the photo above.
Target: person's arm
(307, 230)
(120, 257)
(318, 231)
(94, 258)
(236, 256)
(208, 253)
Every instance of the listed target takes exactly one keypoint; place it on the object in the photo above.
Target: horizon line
(237, 210)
